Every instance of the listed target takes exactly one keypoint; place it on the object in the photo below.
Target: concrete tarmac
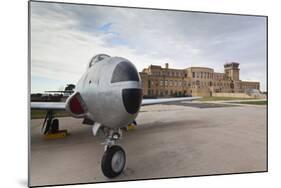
(170, 141)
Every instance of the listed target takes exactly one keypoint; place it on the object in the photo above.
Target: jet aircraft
(108, 97)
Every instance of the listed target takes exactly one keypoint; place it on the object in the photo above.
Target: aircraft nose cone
(132, 99)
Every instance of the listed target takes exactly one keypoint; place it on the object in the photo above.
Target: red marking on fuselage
(75, 106)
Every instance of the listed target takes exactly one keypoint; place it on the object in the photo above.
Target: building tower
(231, 70)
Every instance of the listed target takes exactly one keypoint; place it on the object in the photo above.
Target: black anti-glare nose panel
(132, 100)
(125, 71)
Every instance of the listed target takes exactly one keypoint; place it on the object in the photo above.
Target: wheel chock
(57, 135)
(131, 127)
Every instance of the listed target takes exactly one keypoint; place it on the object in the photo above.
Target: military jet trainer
(108, 97)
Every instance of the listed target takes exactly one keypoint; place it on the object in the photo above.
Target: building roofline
(230, 64)
(250, 81)
(200, 68)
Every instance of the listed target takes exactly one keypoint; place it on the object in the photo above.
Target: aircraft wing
(165, 100)
(61, 105)
(48, 105)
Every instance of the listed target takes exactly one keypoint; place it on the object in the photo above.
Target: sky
(64, 37)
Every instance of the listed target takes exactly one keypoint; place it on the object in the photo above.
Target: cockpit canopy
(97, 58)
(125, 71)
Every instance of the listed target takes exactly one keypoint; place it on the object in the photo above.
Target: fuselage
(111, 91)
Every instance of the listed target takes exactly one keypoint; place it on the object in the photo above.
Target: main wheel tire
(113, 161)
(55, 126)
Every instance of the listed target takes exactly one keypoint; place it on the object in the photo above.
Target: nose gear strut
(114, 157)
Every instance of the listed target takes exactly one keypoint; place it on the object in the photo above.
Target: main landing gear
(50, 128)
(114, 157)
(50, 124)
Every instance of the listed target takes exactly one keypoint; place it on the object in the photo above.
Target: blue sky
(64, 37)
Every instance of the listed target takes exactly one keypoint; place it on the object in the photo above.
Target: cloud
(64, 37)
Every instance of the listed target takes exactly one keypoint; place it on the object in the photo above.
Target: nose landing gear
(113, 161)
(114, 157)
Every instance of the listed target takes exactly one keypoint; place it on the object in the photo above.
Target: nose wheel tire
(113, 161)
